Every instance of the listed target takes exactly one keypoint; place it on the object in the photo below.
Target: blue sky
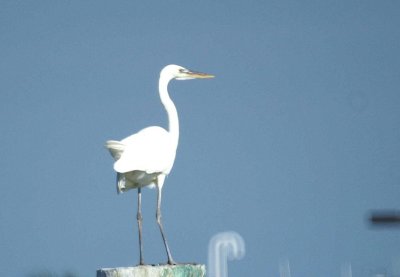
(292, 144)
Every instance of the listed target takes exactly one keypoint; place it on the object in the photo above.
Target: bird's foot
(172, 262)
(180, 263)
(141, 263)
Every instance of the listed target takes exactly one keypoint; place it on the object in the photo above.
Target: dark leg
(139, 220)
(158, 217)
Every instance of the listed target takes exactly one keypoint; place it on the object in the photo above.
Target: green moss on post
(184, 270)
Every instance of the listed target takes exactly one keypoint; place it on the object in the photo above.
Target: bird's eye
(182, 70)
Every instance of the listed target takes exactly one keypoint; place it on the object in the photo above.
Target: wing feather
(150, 150)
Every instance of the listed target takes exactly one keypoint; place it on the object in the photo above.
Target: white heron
(146, 158)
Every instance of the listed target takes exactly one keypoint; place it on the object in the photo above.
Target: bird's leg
(158, 217)
(139, 220)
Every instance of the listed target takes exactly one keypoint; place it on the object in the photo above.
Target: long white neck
(170, 108)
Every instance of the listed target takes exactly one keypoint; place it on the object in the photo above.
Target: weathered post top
(182, 270)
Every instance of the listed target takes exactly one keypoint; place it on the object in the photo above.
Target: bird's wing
(150, 150)
(116, 148)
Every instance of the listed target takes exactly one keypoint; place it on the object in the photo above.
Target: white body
(146, 157)
(142, 157)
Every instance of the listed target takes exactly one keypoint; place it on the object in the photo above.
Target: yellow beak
(199, 75)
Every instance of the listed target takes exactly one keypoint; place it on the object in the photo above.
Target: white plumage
(146, 158)
(141, 157)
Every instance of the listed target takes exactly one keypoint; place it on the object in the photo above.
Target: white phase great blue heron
(146, 158)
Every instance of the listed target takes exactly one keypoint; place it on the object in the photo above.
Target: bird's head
(177, 72)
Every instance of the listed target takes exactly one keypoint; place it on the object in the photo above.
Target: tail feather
(121, 180)
(116, 148)
(124, 184)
